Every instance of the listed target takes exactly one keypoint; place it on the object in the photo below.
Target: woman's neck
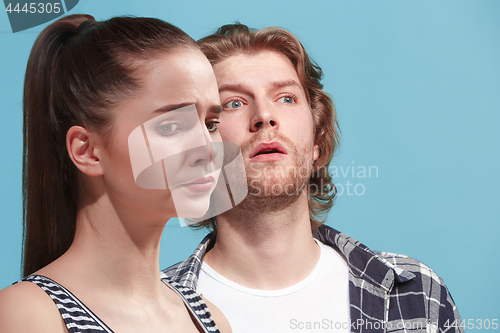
(113, 250)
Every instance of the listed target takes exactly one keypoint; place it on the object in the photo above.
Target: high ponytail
(45, 196)
(77, 71)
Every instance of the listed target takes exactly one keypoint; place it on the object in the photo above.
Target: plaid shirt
(388, 292)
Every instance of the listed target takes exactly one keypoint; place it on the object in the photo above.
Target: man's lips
(202, 184)
(268, 151)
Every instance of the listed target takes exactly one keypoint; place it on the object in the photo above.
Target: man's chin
(275, 185)
(265, 195)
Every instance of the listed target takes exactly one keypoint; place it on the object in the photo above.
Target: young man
(270, 265)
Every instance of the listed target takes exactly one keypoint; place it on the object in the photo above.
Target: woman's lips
(200, 185)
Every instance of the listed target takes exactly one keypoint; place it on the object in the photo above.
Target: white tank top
(319, 303)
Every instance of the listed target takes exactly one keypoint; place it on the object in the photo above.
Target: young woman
(92, 223)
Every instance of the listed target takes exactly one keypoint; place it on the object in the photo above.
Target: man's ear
(82, 150)
(315, 153)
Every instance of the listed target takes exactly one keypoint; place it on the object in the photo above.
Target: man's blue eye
(287, 100)
(234, 104)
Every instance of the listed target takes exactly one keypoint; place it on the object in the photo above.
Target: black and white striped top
(80, 319)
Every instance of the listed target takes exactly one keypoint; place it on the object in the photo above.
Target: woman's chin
(191, 205)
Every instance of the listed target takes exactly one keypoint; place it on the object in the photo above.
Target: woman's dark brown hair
(233, 39)
(77, 71)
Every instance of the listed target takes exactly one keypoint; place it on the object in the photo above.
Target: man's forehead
(260, 62)
(242, 71)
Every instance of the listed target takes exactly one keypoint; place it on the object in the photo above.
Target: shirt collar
(362, 262)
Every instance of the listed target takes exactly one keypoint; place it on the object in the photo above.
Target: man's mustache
(267, 137)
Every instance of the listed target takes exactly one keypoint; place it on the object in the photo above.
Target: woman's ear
(83, 152)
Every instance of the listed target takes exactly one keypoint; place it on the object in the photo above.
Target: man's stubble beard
(274, 186)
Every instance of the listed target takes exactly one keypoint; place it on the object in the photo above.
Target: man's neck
(265, 250)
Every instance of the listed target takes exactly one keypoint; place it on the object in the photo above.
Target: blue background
(417, 89)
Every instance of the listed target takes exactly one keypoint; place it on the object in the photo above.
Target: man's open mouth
(268, 149)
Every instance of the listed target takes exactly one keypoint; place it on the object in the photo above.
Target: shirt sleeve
(449, 319)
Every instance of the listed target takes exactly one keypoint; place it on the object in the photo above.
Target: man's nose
(263, 117)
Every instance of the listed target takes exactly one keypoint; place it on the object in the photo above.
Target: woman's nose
(204, 154)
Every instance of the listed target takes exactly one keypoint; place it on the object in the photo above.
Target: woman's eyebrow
(215, 109)
(171, 107)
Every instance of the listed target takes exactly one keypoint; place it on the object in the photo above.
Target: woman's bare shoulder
(25, 307)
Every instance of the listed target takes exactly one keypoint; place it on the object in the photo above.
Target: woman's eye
(168, 128)
(212, 126)
(286, 100)
(234, 104)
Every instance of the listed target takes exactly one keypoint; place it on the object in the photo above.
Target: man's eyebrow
(286, 83)
(275, 84)
(237, 87)
(171, 107)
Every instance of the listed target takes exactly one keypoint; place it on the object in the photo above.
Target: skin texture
(266, 242)
(113, 264)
